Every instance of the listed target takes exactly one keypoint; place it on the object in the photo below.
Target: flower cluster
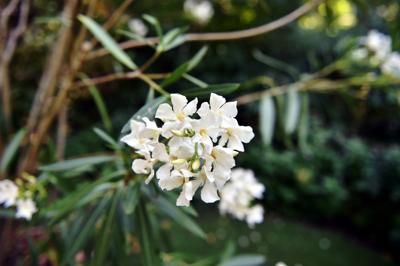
(377, 48)
(19, 195)
(201, 10)
(238, 194)
(193, 148)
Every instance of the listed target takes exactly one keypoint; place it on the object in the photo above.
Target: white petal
(170, 183)
(150, 177)
(209, 193)
(245, 133)
(25, 209)
(141, 166)
(235, 143)
(160, 153)
(190, 108)
(182, 201)
(178, 102)
(204, 109)
(165, 113)
(164, 171)
(216, 101)
(230, 109)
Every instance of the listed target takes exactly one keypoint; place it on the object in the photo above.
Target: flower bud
(178, 161)
(196, 165)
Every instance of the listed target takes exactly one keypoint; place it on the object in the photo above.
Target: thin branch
(62, 132)
(221, 36)
(8, 51)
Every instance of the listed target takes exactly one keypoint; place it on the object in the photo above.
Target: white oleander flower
(11, 194)
(192, 150)
(235, 135)
(8, 193)
(25, 208)
(201, 10)
(143, 135)
(237, 196)
(137, 26)
(378, 43)
(391, 65)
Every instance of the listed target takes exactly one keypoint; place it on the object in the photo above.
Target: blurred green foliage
(348, 175)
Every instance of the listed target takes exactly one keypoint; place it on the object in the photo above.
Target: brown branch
(62, 133)
(9, 46)
(221, 36)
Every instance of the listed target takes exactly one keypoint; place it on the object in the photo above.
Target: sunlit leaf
(107, 41)
(130, 198)
(267, 119)
(107, 138)
(292, 111)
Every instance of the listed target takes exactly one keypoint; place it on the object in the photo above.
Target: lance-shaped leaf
(292, 111)
(76, 163)
(107, 41)
(148, 110)
(248, 260)
(185, 67)
(11, 150)
(101, 106)
(267, 119)
(179, 216)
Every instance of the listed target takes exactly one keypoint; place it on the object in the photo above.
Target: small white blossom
(11, 194)
(391, 66)
(193, 150)
(201, 10)
(280, 264)
(238, 194)
(8, 193)
(25, 208)
(137, 26)
(378, 43)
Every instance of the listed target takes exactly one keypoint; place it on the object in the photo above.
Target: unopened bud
(178, 161)
(188, 132)
(177, 133)
(196, 165)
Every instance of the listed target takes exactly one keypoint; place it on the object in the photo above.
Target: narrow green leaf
(267, 119)
(177, 74)
(221, 89)
(130, 198)
(292, 111)
(277, 64)
(173, 38)
(195, 81)
(101, 106)
(107, 138)
(155, 23)
(148, 110)
(84, 232)
(107, 41)
(7, 213)
(185, 67)
(179, 216)
(248, 260)
(149, 254)
(11, 150)
(103, 244)
(197, 58)
(75, 163)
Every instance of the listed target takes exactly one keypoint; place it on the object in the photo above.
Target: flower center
(203, 132)
(181, 116)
